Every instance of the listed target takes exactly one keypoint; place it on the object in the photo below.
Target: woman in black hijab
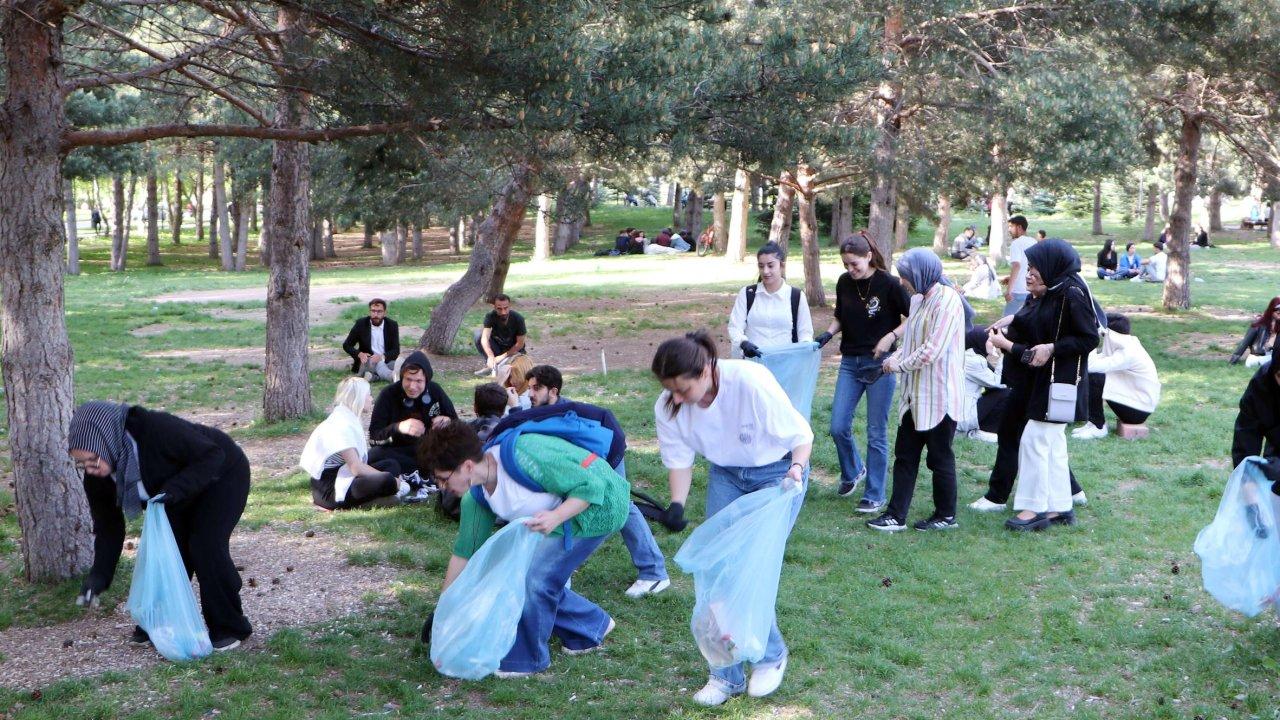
(129, 455)
(1051, 336)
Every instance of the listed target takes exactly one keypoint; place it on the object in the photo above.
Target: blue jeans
(638, 537)
(849, 392)
(724, 485)
(550, 608)
(1014, 305)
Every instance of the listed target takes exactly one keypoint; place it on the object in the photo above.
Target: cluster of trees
(393, 115)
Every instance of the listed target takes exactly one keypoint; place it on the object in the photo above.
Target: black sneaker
(139, 636)
(887, 523)
(847, 487)
(937, 522)
(869, 506)
(226, 643)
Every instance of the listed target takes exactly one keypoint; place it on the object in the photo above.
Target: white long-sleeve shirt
(1132, 379)
(769, 322)
(750, 423)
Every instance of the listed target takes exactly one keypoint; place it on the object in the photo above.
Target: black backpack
(795, 307)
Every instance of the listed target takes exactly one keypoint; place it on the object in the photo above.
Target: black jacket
(1259, 418)
(177, 457)
(358, 341)
(1254, 342)
(393, 405)
(1038, 323)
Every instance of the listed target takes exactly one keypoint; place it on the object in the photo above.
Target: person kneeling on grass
(337, 453)
(581, 497)
(1123, 374)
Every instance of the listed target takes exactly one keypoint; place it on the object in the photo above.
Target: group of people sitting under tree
(633, 241)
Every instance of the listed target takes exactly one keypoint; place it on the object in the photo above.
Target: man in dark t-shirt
(502, 336)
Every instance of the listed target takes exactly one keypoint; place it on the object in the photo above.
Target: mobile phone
(1028, 355)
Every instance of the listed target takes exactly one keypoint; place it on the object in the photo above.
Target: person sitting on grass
(514, 379)
(622, 243)
(1123, 374)
(337, 453)
(985, 395)
(374, 343)
(577, 490)
(1154, 267)
(1260, 338)
(503, 335)
(489, 405)
(1130, 265)
(679, 243)
(964, 244)
(405, 411)
(1108, 262)
(983, 283)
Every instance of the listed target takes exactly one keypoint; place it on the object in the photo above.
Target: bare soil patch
(1201, 345)
(318, 357)
(320, 308)
(291, 580)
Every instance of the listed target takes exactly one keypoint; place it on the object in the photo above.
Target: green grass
(1087, 622)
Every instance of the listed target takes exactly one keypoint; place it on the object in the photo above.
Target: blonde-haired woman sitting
(513, 377)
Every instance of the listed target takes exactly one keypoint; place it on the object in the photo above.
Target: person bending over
(1122, 374)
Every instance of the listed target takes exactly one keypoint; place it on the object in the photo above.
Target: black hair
(1128, 247)
(686, 357)
(858, 244)
(772, 248)
(378, 301)
(1020, 221)
(490, 399)
(445, 448)
(1042, 234)
(1118, 323)
(547, 376)
(502, 296)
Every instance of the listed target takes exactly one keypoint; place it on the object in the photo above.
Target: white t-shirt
(769, 322)
(376, 340)
(511, 500)
(1159, 265)
(750, 423)
(1018, 254)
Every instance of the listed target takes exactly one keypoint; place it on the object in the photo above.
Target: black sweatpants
(406, 456)
(941, 461)
(363, 487)
(202, 528)
(1009, 438)
(1124, 413)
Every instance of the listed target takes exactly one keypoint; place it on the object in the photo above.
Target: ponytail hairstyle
(776, 250)
(859, 244)
(686, 357)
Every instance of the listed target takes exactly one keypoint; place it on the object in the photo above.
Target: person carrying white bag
(733, 413)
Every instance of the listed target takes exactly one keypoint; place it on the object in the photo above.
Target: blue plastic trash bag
(1240, 567)
(160, 597)
(796, 368)
(735, 558)
(476, 618)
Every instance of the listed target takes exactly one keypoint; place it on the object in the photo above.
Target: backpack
(795, 307)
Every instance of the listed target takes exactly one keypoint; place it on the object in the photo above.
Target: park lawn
(1106, 619)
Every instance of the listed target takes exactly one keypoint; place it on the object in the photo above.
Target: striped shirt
(931, 359)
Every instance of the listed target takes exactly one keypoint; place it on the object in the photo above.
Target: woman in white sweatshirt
(1122, 373)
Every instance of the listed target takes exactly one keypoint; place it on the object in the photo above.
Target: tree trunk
(1177, 283)
(783, 207)
(315, 248)
(402, 240)
(225, 250)
(1097, 207)
(837, 207)
(120, 238)
(809, 241)
(329, 227)
(1215, 211)
(455, 236)
(367, 243)
(287, 388)
(1164, 205)
(214, 244)
(901, 225)
(1153, 199)
(177, 209)
(390, 247)
(244, 209)
(253, 213)
(198, 203)
(842, 226)
(691, 226)
(128, 210)
(1139, 201)
(153, 219)
(498, 231)
(720, 222)
(35, 355)
(736, 247)
(998, 243)
(417, 241)
(73, 233)
(884, 150)
(942, 233)
(542, 229)
(675, 206)
(502, 257)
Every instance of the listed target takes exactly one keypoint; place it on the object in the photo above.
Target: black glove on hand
(823, 339)
(749, 349)
(1251, 513)
(1271, 468)
(674, 520)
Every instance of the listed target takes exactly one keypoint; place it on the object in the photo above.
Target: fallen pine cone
(68, 643)
(253, 582)
(886, 582)
(310, 533)
(289, 569)
(275, 581)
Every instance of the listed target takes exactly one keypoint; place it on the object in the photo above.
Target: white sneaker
(640, 588)
(764, 680)
(593, 648)
(983, 436)
(1079, 499)
(1089, 431)
(511, 674)
(711, 695)
(982, 504)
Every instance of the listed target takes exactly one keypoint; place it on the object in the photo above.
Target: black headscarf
(1059, 266)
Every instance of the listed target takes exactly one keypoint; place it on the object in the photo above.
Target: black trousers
(405, 456)
(202, 529)
(363, 488)
(1124, 413)
(1009, 437)
(991, 408)
(941, 461)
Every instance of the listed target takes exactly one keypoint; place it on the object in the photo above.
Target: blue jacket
(1125, 267)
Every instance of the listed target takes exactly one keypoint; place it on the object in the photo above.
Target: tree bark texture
(884, 151)
(569, 215)
(720, 222)
(198, 201)
(316, 248)
(244, 209)
(675, 206)
(225, 251)
(542, 229)
(496, 232)
(783, 208)
(329, 227)
(901, 225)
(73, 233)
(120, 235)
(691, 226)
(287, 387)
(942, 233)
(1177, 283)
(1153, 199)
(843, 227)
(367, 243)
(736, 247)
(131, 190)
(390, 247)
(455, 236)
(35, 355)
(177, 210)
(153, 219)
(809, 240)
(1215, 211)
(1097, 207)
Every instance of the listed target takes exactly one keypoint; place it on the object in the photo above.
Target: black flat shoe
(1031, 524)
(1066, 518)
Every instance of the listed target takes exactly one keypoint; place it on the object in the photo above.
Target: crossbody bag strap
(1053, 364)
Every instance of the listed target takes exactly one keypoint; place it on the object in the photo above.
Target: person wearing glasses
(128, 456)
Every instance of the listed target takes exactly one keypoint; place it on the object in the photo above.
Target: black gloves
(426, 627)
(749, 349)
(674, 519)
(823, 339)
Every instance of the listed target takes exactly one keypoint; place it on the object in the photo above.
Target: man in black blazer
(374, 343)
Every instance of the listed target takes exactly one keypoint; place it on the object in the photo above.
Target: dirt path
(320, 308)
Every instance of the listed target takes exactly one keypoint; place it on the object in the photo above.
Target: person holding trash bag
(1257, 432)
(870, 309)
(129, 454)
(733, 413)
(769, 313)
(567, 492)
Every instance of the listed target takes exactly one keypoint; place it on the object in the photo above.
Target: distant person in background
(1122, 374)
(983, 283)
(964, 244)
(502, 337)
(374, 343)
(1108, 261)
(1155, 267)
(679, 243)
(95, 217)
(1258, 341)
(1040, 235)
(1165, 234)
(664, 237)
(1202, 238)
(1130, 265)
(622, 243)
(1015, 293)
